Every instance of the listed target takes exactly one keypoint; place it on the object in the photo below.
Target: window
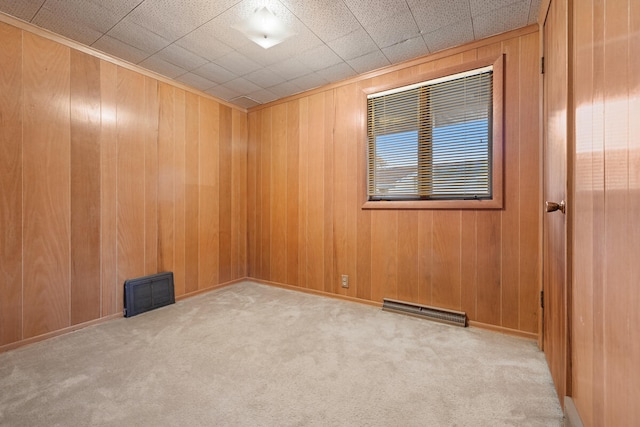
(437, 142)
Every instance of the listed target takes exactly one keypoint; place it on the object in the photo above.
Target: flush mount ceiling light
(264, 28)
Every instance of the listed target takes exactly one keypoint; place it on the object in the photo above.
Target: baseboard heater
(450, 317)
(147, 293)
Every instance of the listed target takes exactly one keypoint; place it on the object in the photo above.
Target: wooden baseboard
(62, 331)
(210, 288)
(503, 330)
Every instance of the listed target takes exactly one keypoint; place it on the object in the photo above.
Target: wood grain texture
(278, 195)
(224, 197)
(85, 187)
(293, 185)
(166, 178)
(192, 193)
(108, 187)
(150, 133)
(46, 195)
(131, 173)
(452, 258)
(103, 180)
(11, 107)
(179, 188)
(209, 233)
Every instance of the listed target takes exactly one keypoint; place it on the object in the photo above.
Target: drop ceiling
(194, 42)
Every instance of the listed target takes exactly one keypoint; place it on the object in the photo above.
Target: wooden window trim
(497, 175)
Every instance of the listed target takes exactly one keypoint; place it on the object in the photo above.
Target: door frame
(569, 196)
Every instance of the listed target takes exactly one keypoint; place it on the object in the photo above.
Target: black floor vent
(451, 317)
(148, 292)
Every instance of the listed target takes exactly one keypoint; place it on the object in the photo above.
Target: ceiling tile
(408, 49)
(263, 96)
(337, 72)
(174, 19)
(319, 58)
(285, 89)
(243, 86)
(66, 26)
(290, 69)
(264, 77)
(480, 7)
(245, 102)
(223, 92)
(160, 66)
(138, 37)
(310, 81)
(369, 62)
(238, 64)
(203, 44)
(196, 81)
(182, 57)
(328, 19)
(215, 73)
(515, 15)
(369, 12)
(452, 35)
(23, 9)
(353, 45)
(436, 14)
(534, 11)
(119, 49)
(393, 29)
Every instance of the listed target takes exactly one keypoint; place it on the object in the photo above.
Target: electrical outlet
(345, 280)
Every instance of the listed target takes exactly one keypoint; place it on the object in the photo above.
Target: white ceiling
(192, 41)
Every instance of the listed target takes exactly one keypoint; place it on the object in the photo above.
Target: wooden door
(556, 73)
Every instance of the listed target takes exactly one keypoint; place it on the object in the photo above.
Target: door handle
(553, 206)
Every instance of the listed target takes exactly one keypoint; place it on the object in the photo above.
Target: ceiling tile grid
(196, 42)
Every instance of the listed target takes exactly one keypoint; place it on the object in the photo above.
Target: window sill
(434, 204)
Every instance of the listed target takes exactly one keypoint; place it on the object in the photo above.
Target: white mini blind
(432, 140)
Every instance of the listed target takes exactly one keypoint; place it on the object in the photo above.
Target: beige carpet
(255, 355)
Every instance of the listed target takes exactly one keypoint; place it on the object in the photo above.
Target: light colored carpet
(251, 354)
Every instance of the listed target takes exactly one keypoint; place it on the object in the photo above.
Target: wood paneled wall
(108, 174)
(306, 186)
(606, 291)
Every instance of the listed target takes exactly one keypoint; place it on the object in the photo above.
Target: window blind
(432, 140)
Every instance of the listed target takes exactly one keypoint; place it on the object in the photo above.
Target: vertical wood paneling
(224, 197)
(303, 192)
(239, 194)
(103, 174)
(510, 249)
(617, 331)
(340, 189)
(192, 193)
(209, 189)
(150, 129)
(528, 185)
(131, 178)
(46, 194)
(315, 193)
(446, 284)
(179, 135)
(384, 255)
(468, 260)
(278, 195)
(166, 178)
(330, 279)
(489, 267)
(408, 248)
(293, 220)
(425, 256)
(265, 196)
(252, 196)
(85, 187)
(11, 108)
(108, 185)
